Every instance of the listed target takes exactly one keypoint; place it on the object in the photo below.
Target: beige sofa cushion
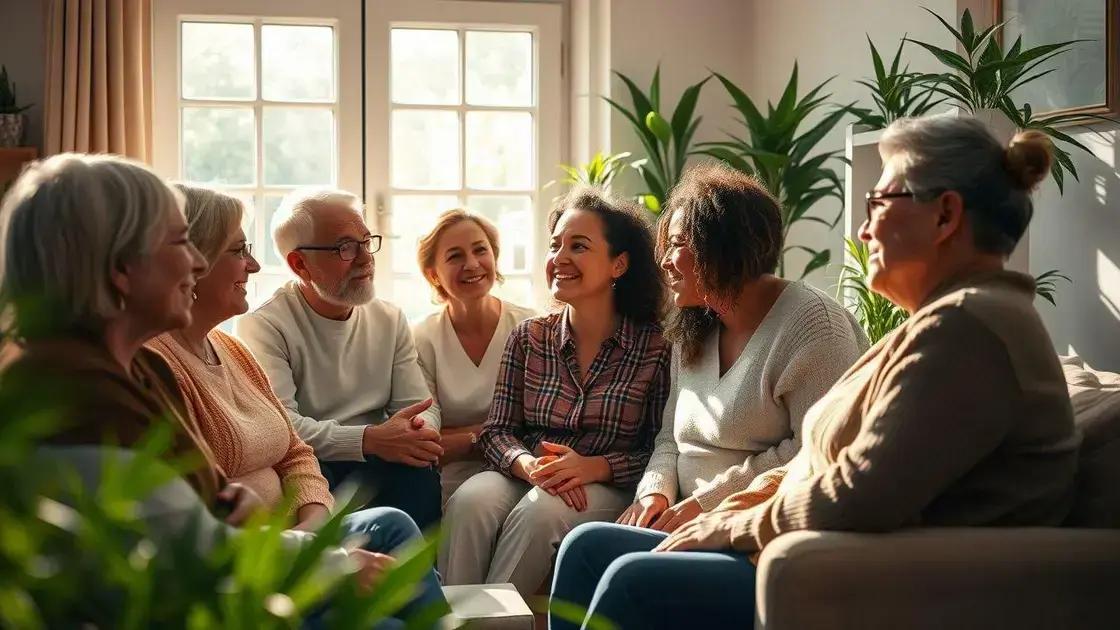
(1096, 409)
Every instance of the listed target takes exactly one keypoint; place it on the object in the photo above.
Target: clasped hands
(688, 525)
(404, 438)
(562, 472)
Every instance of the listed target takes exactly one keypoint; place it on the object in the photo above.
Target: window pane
(425, 149)
(516, 289)
(499, 68)
(298, 146)
(514, 217)
(500, 150)
(425, 66)
(218, 145)
(268, 254)
(297, 63)
(217, 61)
(412, 295)
(413, 216)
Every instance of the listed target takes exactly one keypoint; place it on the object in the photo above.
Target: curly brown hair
(733, 226)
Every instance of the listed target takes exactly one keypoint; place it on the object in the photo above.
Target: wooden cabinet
(11, 164)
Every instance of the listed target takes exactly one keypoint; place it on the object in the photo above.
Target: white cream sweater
(719, 433)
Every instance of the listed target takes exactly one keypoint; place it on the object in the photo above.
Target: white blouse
(462, 389)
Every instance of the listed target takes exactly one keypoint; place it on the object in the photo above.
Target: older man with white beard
(342, 362)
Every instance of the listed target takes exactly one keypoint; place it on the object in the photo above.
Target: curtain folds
(99, 77)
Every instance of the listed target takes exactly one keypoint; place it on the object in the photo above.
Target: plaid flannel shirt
(614, 412)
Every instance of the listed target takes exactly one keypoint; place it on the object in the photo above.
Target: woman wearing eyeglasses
(226, 390)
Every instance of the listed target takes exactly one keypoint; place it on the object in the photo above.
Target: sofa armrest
(940, 578)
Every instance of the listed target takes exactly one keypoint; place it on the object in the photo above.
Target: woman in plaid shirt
(577, 404)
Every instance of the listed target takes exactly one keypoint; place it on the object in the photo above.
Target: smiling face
(221, 292)
(579, 263)
(158, 290)
(902, 236)
(464, 265)
(679, 264)
(339, 282)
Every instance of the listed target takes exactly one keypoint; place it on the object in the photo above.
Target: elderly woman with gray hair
(960, 417)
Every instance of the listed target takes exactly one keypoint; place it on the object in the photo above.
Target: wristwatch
(474, 440)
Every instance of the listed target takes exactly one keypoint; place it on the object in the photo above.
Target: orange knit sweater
(243, 422)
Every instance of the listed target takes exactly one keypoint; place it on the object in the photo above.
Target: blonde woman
(460, 347)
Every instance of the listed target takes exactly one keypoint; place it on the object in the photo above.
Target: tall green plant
(985, 77)
(782, 158)
(897, 92)
(667, 142)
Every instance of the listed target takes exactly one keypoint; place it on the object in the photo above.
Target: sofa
(962, 578)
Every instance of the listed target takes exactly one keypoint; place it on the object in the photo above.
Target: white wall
(689, 38)
(23, 52)
(1079, 233)
(829, 38)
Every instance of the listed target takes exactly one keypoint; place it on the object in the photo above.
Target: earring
(120, 302)
(614, 284)
(194, 295)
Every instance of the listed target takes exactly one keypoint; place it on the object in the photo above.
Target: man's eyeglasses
(348, 250)
(878, 195)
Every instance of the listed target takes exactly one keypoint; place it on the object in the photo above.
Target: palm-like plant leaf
(773, 150)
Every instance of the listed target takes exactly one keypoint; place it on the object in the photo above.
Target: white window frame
(343, 16)
(544, 21)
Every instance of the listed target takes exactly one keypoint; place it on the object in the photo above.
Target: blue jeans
(610, 571)
(385, 530)
(416, 491)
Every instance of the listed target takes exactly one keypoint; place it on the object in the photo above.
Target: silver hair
(66, 224)
(212, 216)
(935, 154)
(295, 217)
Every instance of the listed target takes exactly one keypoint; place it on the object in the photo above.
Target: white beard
(346, 293)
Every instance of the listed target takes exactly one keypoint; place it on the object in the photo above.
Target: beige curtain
(99, 77)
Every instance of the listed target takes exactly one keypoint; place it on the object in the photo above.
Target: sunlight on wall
(1108, 279)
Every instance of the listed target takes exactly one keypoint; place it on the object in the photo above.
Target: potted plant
(667, 142)
(896, 91)
(12, 120)
(981, 82)
(776, 153)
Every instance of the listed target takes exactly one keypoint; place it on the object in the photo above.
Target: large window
(461, 109)
(463, 127)
(257, 117)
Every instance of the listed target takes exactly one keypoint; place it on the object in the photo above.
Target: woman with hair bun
(959, 417)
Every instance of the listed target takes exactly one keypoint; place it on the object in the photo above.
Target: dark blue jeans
(415, 491)
(610, 571)
(385, 530)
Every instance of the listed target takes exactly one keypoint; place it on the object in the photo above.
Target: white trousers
(498, 529)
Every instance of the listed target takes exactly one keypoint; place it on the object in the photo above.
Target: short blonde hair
(212, 216)
(426, 249)
(296, 214)
(65, 225)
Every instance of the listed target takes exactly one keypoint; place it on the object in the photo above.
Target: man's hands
(404, 438)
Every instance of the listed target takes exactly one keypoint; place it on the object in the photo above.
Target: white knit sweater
(719, 433)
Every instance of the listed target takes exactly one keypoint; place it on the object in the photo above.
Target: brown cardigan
(960, 417)
(102, 403)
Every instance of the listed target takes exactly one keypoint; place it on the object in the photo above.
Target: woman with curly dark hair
(578, 401)
(755, 351)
